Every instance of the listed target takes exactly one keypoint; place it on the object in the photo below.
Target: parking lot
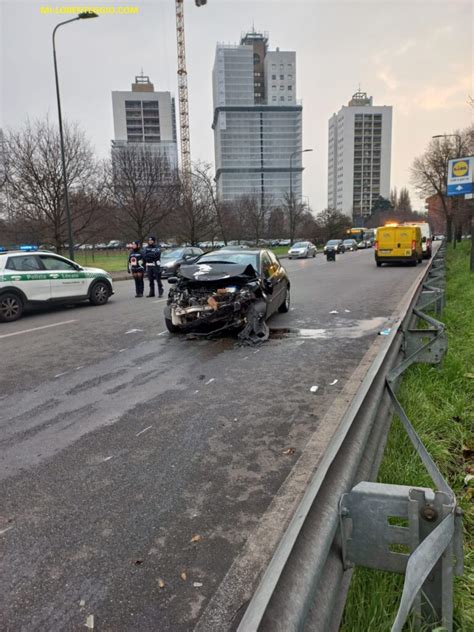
(135, 465)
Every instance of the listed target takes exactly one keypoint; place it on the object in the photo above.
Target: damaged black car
(237, 290)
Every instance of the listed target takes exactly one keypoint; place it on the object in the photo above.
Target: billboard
(461, 176)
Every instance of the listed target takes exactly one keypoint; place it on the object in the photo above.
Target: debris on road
(196, 538)
(289, 451)
(183, 576)
(197, 584)
(385, 332)
(90, 622)
(314, 388)
(142, 431)
(161, 583)
(213, 379)
(82, 603)
(133, 331)
(334, 311)
(333, 382)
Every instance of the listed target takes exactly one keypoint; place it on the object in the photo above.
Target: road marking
(142, 431)
(27, 331)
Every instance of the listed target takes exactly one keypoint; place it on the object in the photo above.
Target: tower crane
(183, 90)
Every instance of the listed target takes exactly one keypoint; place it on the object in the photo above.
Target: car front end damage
(210, 298)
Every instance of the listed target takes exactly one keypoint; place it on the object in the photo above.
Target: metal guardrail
(343, 521)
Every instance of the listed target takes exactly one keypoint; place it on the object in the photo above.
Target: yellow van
(398, 244)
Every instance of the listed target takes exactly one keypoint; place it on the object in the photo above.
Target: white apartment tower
(257, 121)
(147, 120)
(359, 155)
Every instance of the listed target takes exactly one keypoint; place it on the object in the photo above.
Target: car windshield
(176, 253)
(300, 244)
(240, 258)
(348, 241)
(333, 242)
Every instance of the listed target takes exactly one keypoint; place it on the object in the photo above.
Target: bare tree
(202, 172)
(429, 171)
(333, 224)
(35, 180)
(143, 188)
(294, 211)
(254, 213)
(403, 202)
(195, 218)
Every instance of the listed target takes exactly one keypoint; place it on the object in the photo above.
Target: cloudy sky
(416, 56)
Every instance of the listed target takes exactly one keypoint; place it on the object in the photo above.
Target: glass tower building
(257, 122)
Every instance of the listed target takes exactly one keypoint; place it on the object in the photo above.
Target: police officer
(136, 267)
(152, 256)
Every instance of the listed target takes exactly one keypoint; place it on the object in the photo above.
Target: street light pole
(295, 153)
(81, 16)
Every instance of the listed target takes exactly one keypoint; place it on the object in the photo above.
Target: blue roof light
(28, 248)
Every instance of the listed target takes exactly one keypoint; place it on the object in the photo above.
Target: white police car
(29, 279)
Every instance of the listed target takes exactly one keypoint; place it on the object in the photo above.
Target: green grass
(109, 260)
(440, 404)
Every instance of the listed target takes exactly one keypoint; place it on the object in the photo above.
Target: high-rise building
(257, 121)
(146, 119)
(359, 155)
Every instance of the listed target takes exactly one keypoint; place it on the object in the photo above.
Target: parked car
(350, 244)
(284, 242)
(172, 260)
(228, 290)
(302, 249)
(238, 247)
(337, 244)
(426, 237)
(29, 279)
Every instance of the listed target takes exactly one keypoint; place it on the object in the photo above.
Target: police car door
(26, 273)
(66, 280)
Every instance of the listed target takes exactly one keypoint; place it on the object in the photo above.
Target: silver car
(302, 250)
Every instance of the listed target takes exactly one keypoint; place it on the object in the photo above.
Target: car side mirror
(173, 280)
(78, 267)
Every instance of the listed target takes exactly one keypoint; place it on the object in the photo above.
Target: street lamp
(81, 16)
(295, 153)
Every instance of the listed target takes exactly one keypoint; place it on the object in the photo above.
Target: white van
(426, 237)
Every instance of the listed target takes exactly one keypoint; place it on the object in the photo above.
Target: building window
(290, 65)
(282, 87)
(274, 98)
(274, 87)
(290, 98)
(290, 77)
(282, 77)
(274, 66)
(274, 77)
(282, 98)
(282, 66)
(290, 87)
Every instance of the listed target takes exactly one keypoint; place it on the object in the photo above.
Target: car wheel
(289, 258)
(285, 306)
(314, 254)
(99, 294)
(170, 327)
(11, 307)
(379, 264)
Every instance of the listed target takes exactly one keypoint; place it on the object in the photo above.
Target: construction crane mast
(183, 90)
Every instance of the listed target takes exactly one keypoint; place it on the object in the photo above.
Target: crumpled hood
(211, 272)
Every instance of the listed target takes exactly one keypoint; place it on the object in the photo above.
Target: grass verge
(440, 403)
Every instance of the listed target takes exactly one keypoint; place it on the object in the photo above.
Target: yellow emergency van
(398, 244)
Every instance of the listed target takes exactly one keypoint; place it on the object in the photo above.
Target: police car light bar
(27, 248)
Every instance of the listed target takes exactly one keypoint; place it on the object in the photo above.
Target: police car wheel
(99, 294)
(11, 307)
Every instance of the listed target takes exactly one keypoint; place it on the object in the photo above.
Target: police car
(33, 278)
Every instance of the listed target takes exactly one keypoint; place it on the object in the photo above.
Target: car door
(66, 280)
(27, 274)
(270, 268)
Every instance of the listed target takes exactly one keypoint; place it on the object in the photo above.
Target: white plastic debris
(90, 622)
(334, 311)
(333, 382)
(385, 332)
(197, 584)
(314, 388)
(348, 311)
(82, 603)
(133, 331)
(213, 379)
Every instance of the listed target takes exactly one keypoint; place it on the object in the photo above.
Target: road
(135, 466)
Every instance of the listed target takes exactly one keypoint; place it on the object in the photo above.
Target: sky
(416, 56)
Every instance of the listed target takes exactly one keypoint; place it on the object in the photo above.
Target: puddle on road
(355, 329)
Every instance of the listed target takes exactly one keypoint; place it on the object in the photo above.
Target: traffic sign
(461, 176)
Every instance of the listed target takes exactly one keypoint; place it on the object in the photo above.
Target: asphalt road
(135, 465)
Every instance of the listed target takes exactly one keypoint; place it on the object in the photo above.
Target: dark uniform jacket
(135, 261)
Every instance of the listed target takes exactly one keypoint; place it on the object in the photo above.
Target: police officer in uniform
(152, 256)
(136, 267)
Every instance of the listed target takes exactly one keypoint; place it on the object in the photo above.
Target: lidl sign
(461, 176)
